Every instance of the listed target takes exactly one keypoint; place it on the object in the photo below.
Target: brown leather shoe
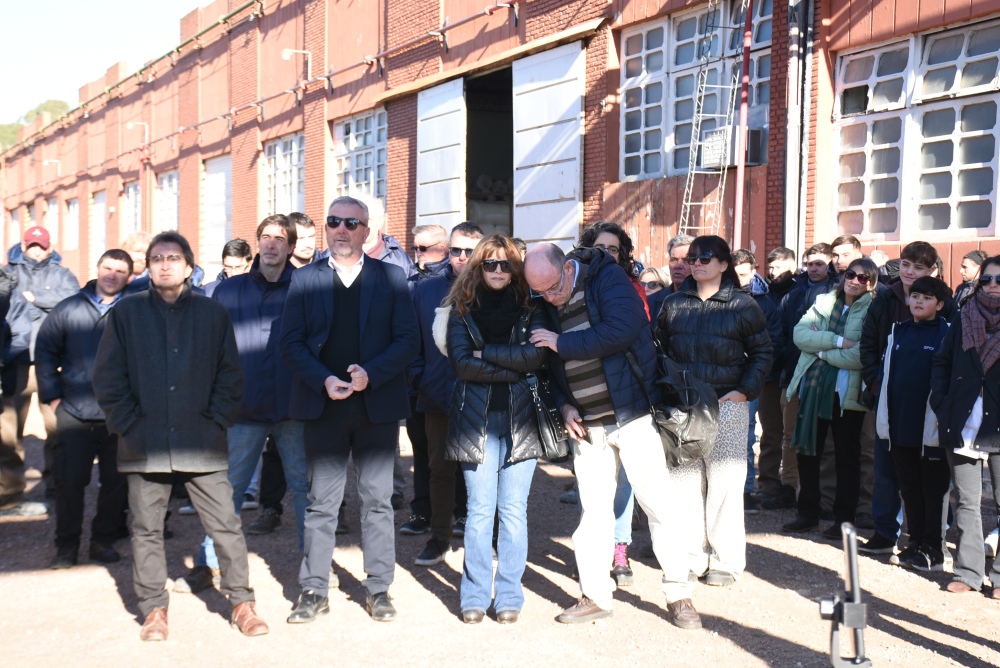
(683, 615)
(155, 626)
(958, 587)
(246, 620)
(584, 611)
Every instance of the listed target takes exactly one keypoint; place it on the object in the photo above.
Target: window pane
(684, 54)
(854, 136)
(684, 86)
(851, 222)
(935, 186)
(888, 92)
(763, 94)
(710, 103)
(934, 217)
(633, 120)
(687, 28)
(763, 32)
(632, 165)
(852, 165)
(892, 62)
(682, 134)
(654, 61)
(633, 142)
(937, 154)
(976, 117)
(654, 93)
(975, 182)
(887, 131)
(945, 49)
(683, 110)
(976, 149)
(652, 163)
(854, 100)
(937, 123)
(859, 69)
(885, 161)
(633, 45)
(633, 97)
(884, 191)
(654, 116)
(984, 41)
(980, 73)
(939, 81)
(654, 38)
(884, 221)
(633, 67)
(654, 140)
(681, 158)
(975, 214)
(764, 67)
(765, 8)
(852, 194)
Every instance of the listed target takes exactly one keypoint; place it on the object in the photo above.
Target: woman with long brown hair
(492, 429)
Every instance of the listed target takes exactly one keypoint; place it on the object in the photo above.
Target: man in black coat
(348, 333)
(64, 363)
(168, 379)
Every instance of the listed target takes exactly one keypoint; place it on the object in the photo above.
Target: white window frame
(360, 154)
(167, 201)
(960, 63)
(71, 234)
(132, 208)
(285, 172)
(673, 154)
(31, 215)
(52, 220)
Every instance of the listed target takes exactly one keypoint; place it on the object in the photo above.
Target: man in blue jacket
(64, 363)
(604, 342)
(255, 301)
(348, 333)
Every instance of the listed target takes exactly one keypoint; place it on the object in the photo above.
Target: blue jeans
(887, 507)
(494, 486)
(246, 443)
(624, 504)
(748, 486)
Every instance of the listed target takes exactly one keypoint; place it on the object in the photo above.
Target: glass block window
(762, 25)
(286, 174)
(960, 62)
(643, 98)
(52, 219)
(167, 199)
(868, 192)
(132, 210)
(71, 235)
(360, 154)
(870, 81)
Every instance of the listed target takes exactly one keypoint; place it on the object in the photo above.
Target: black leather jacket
(475, 378)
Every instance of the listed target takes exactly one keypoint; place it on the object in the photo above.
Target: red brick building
(534, 117)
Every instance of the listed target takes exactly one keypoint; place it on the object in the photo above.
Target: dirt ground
(87, 616)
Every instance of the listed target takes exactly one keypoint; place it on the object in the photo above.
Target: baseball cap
(37, 236)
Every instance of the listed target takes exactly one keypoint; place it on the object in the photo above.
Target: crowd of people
(268, 380)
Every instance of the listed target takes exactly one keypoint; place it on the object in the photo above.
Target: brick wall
(778, 118)
(401, 186)
(244, 43)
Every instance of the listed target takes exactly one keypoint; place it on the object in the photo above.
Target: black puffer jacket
(723, 340)
(470, 397)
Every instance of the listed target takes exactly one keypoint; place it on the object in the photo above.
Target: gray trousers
(967, 475)
(212, 496)
(339, 433)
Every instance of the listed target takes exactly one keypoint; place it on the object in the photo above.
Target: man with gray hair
(604, 368)
(430, 249)
(677, 249)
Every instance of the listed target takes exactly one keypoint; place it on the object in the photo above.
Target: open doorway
(489, 163)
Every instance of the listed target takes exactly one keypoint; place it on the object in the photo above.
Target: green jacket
(811, 341)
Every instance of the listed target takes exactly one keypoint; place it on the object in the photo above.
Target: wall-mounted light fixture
(286, 54)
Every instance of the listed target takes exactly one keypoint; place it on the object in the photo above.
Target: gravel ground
(88, 615)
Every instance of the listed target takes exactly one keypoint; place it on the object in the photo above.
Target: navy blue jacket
(914, 345)
(431, 371)
(430, 271)
(618, 324)
(50, 283)
(65, 352)
(255, 306)
(760, 291)
(388, 333)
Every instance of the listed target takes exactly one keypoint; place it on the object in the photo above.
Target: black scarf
(495, 313)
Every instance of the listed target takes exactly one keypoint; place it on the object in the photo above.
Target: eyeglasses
(489, 266)
(703, 258)
(424, 249)
(173, 258)
(614, 250)
(852, 275)
(562, 277)
(333, 222)
(651, 285)
(986, 279)
(458, 252)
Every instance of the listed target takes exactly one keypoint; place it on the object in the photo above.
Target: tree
(8, 132)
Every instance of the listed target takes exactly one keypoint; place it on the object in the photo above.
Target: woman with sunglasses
(492, 429)
(965, 396)
(827, 380)
(717, 332)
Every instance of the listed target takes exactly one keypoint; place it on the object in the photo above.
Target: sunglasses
(424, 249)
(333, 222)
(458, 252)
(703, 258)
(986, 279)
(491, 265)
(852, 275)
(651, 285)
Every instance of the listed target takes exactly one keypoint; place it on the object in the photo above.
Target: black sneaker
(416, 525)
(342, 526)
(458, 531)
(832, 532)
(785, 498)
(878, 544)
(268, 520)
(396, 500)
(905, 557)
(927, 560)
(434, 553)
(800, 525)
(751, 506)
(66, 557)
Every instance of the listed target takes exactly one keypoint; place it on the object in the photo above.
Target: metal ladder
(705, 216)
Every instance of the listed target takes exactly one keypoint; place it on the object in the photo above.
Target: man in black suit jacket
(348, 333)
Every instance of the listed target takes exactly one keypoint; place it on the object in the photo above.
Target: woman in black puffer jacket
(492, 429)
(717, 332)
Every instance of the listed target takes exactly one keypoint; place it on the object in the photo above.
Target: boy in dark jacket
(920, 464)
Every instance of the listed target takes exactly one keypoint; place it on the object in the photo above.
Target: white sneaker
(991, 543)
(186, 510)
(250, 502)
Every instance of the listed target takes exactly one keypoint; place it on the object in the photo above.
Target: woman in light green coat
(828, 382)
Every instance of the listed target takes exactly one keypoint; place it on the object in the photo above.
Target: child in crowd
(921, 466)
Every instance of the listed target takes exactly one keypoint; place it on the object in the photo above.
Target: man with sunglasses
(430, 249)
(348, 333)
(437, 494)
(601, 344)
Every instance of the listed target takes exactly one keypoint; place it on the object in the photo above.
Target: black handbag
(551, 428)
(688, 419)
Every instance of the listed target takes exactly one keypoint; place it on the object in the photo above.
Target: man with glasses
(167, 377)
(348, 334)
(430, 249)
(433, 378)
(602, 343)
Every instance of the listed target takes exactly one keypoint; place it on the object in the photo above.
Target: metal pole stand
(849, 612)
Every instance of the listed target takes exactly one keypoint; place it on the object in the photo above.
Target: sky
(50, 48)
